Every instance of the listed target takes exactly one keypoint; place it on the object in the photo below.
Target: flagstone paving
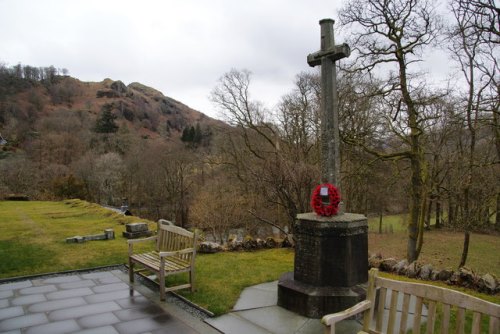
(91, 302)
(104, 302)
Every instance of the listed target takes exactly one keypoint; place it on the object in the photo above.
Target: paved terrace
(91, 303)
(105, 302)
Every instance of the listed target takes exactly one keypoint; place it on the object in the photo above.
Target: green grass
(441, 248)
(33, 237)
(390, 223)
(221, 277)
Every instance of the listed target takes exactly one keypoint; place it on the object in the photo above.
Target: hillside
(100, 141)
(141, 109)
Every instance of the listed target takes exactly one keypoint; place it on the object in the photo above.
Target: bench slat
(445, 324)
(476, 323)
(494, 327)
(418, 315)
(392, 312)
(460, 320)
(431, 317)
(404, 314)
(370, 296)
(380, 311)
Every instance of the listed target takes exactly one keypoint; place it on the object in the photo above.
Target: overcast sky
(178, 47)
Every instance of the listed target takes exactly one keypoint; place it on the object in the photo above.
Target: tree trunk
(497, 219)
(380, 222)
(451, 212)
(428, 215)
(417, 166)
(465, 250)
(438, 212)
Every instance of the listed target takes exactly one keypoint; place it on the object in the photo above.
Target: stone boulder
(249, 243)
(374, 261)
(454, 278)
(209, 247)
(271, 242)
(467, 277)
(287, 242)
(487, 283)
(444, 275)
(434, 275)
(413, 270)
(260, 243)
(425, 272)
(401, 267)
(388, 264)
(234, 245)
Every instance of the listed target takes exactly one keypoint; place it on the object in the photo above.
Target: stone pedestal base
(314, 302)
(331, 265)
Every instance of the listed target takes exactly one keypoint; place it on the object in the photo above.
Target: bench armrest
(131, 243)
(134, 241)
(182, 251)
(332, 319)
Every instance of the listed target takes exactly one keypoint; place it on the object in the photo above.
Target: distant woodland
(407, 146)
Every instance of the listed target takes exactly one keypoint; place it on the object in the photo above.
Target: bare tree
(270, 160)
(474, 45)
(391, 36)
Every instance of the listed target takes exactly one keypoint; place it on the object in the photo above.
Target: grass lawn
(33, 237)
(32, 241)
(441, 248)
(222, 277)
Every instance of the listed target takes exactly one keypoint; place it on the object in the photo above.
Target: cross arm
(334, 53)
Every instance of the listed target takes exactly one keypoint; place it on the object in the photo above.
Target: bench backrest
(174, 238)
(430, 295)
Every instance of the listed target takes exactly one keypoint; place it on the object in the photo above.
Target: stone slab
(232, 324)
(254, 297)
(23, 321)
(59, 327)
(84, 310)
(135, 235)
(136, 227)
(98, 320)
(274, 319)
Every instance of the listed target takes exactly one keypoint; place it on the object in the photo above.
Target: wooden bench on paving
(426, 294)
(175, 253)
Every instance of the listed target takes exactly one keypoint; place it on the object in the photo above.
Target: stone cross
(330, 138)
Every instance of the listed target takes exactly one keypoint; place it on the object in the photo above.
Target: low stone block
(95, 237)
(134, 235)
(109, 233)
(136, 227)
(76, 239)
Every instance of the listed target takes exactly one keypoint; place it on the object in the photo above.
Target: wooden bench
(175, 253)
(428, 295)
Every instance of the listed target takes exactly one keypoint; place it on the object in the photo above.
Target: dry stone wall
(464, 276)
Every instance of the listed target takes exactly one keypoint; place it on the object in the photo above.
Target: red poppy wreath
(325, 200)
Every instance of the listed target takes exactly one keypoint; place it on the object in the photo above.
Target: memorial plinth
(331, 265)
